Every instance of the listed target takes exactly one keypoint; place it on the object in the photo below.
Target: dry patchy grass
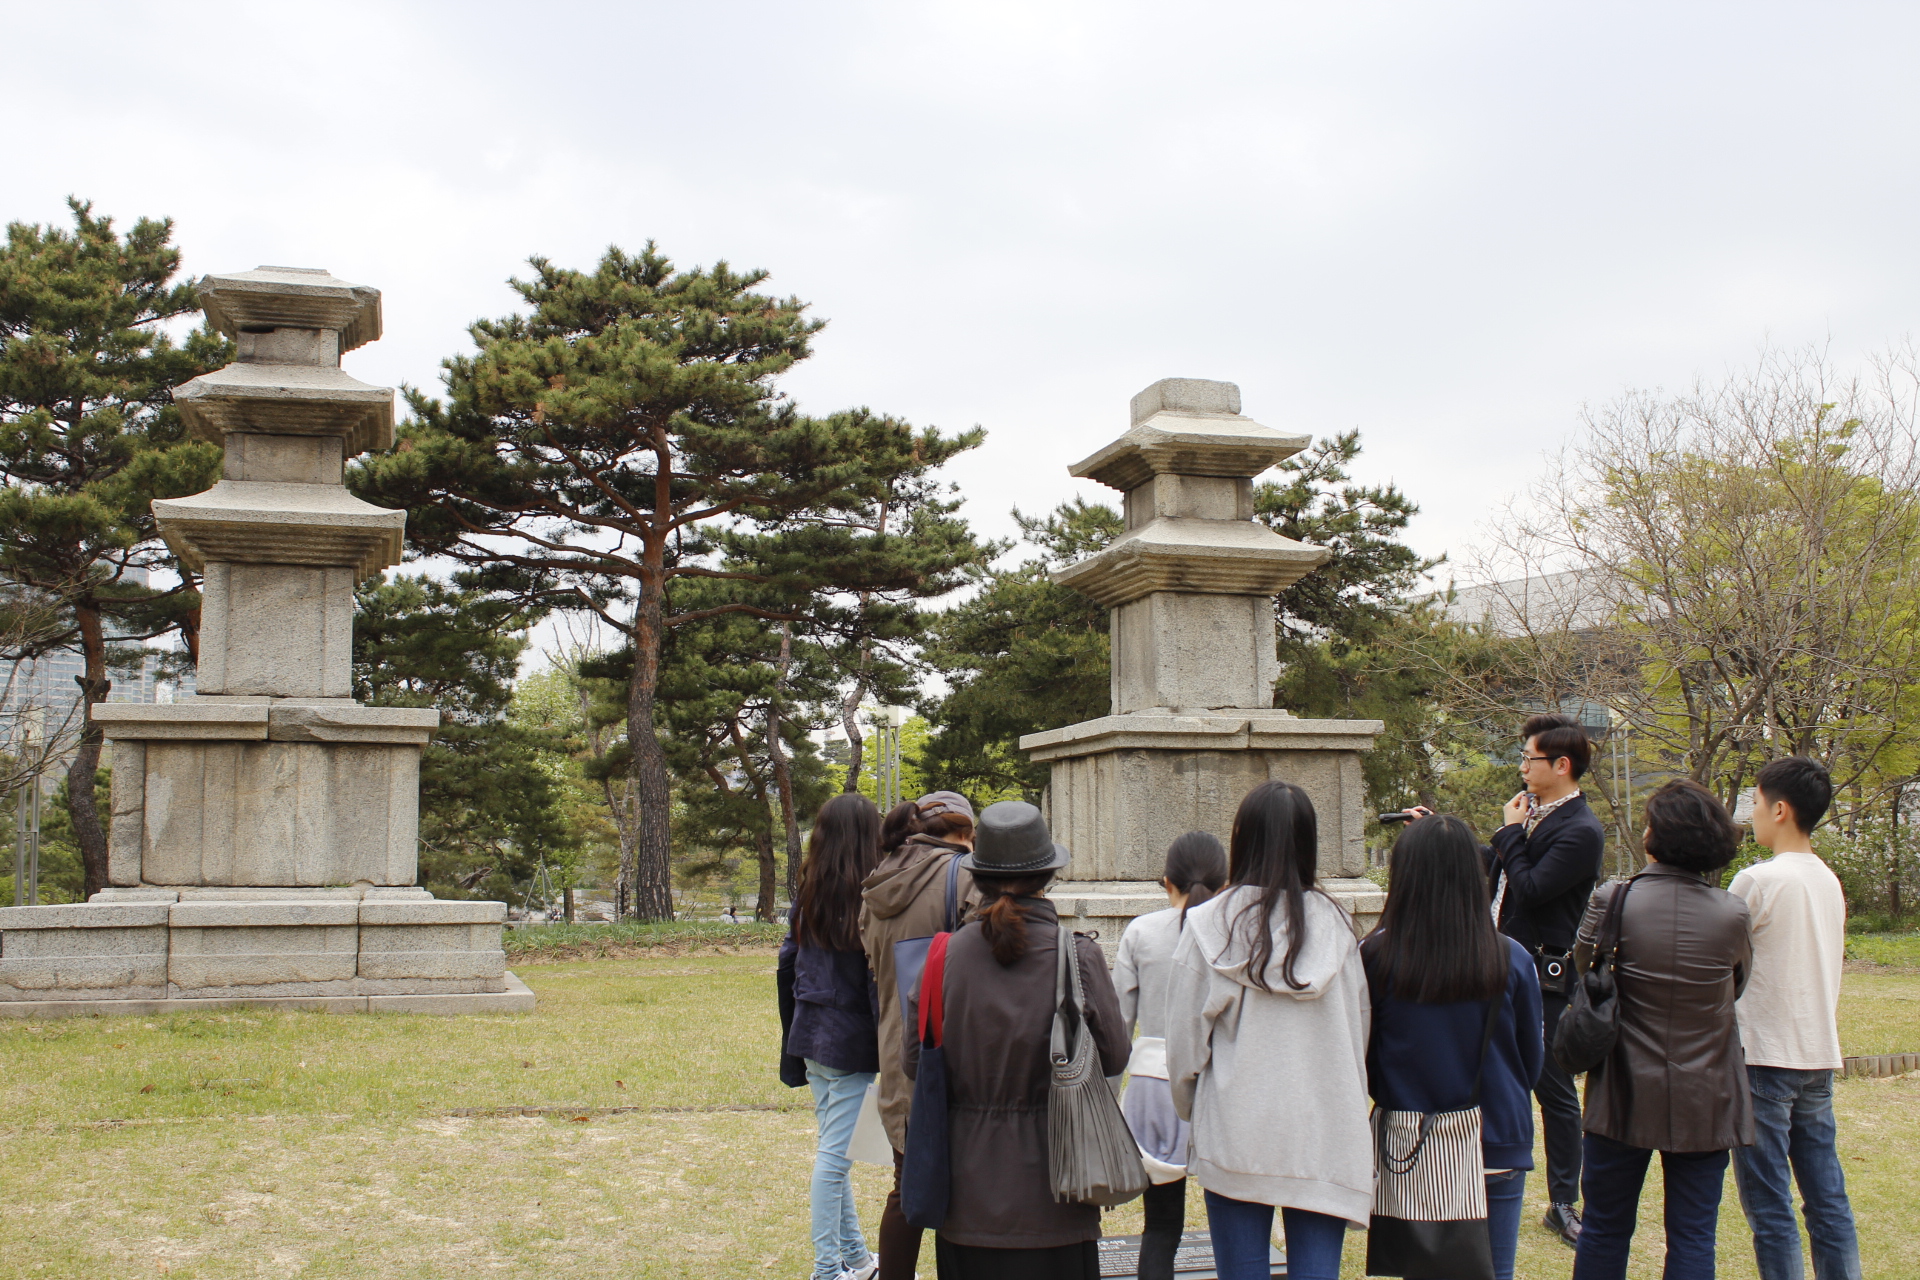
(305, 1145)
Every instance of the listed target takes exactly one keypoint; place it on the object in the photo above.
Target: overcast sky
(1447, 225)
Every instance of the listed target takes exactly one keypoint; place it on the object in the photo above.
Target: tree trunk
(566, 897)
(782, 774)
(850, 721)
(769, 878)
(653, 860)
(82, 801)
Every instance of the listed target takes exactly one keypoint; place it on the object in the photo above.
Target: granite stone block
(84, 915)
(431, 912)
(281, 813)
(128, 803)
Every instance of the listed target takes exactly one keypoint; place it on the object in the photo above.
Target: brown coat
(998, 1021)
(1677, 1078)
(904, 897)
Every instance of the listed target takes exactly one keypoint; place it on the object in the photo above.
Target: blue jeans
(1241, 1230)
(1612, 1174)
(1793, 1141)
(1506, 1197)
(837, 1242)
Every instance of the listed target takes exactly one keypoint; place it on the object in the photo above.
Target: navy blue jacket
(829, 1011)
(1421, 1057)
(1550, 875)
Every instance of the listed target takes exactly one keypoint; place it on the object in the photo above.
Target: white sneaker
(862, 1272)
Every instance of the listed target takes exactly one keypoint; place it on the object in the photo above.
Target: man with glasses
(1544, 862)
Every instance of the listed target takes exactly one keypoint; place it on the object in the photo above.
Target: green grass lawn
(247, 1143)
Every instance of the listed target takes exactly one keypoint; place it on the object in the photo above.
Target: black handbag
(926, 1167)
(1590, 1026)
(1430, 1187)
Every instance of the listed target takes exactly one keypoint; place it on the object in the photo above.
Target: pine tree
(88, 438)
(489, 809)
(590, 452)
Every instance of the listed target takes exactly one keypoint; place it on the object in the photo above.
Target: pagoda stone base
(1106, 907)
(143, 944)
(1125, 787)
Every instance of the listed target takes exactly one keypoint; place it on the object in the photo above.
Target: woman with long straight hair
(1267, 1048)
(827, 1008)
(1433, 964)
(1196, 868)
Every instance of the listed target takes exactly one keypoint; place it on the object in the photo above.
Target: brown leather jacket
(1677, 1078)
(998, 1021)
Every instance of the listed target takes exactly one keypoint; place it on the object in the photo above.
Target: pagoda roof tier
(1185, 443)
(1218, 557)
(267, 522)
(291, 298)
(288, 399)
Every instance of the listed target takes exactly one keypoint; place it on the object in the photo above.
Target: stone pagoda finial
(1191, 581)
(278, 540)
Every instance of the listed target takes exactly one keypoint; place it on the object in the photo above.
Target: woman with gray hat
(1002, 1221)
(906, 897)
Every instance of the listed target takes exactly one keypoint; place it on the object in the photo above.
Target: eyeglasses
(1524, 760)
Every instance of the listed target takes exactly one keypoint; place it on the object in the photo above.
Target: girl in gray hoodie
(1196, 869)
(1267, 1049)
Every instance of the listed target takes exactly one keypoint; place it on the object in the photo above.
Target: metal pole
(33, 849)
(20, 846)
(1626, 760)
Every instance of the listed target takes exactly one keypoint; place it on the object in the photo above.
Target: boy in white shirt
(1787, 1025)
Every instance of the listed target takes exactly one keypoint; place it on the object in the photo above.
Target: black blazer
(1550, 875)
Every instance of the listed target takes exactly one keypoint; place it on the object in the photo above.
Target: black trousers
(1166, 1206)
(972, 1262)
(1559, 1113)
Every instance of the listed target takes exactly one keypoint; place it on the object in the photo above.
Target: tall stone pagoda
(1192, 727)
(264, 831)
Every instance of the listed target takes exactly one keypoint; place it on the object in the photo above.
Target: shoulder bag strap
(1486, 1033)
(933, 987)
(1063, 985)
(1609, 940)
(953, 893)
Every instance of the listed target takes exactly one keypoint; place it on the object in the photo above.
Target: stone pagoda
(1193, 727)
(263, 841)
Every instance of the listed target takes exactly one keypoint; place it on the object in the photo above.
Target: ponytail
(1002, 915)
(1197, 867)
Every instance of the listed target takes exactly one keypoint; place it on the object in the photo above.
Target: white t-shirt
(1799, 940)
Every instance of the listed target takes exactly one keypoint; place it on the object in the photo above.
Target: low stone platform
(155, 945)
(513, 998)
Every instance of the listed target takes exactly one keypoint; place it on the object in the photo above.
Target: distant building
(49, 685)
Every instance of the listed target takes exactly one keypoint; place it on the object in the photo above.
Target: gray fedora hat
(1011, 839)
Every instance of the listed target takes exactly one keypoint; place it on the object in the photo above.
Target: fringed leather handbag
(1092, 1155)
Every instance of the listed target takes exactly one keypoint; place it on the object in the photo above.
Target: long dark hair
(1275, 849)
(1435, 942)
(842, 848)
(1002, 917)
(1197, 867)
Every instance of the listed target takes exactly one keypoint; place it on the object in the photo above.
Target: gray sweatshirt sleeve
(1195, 1002)
(1126, 980)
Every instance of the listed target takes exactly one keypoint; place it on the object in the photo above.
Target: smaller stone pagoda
(264, 832)
(1193, 727)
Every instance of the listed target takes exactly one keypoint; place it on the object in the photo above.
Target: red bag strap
(933, 982)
